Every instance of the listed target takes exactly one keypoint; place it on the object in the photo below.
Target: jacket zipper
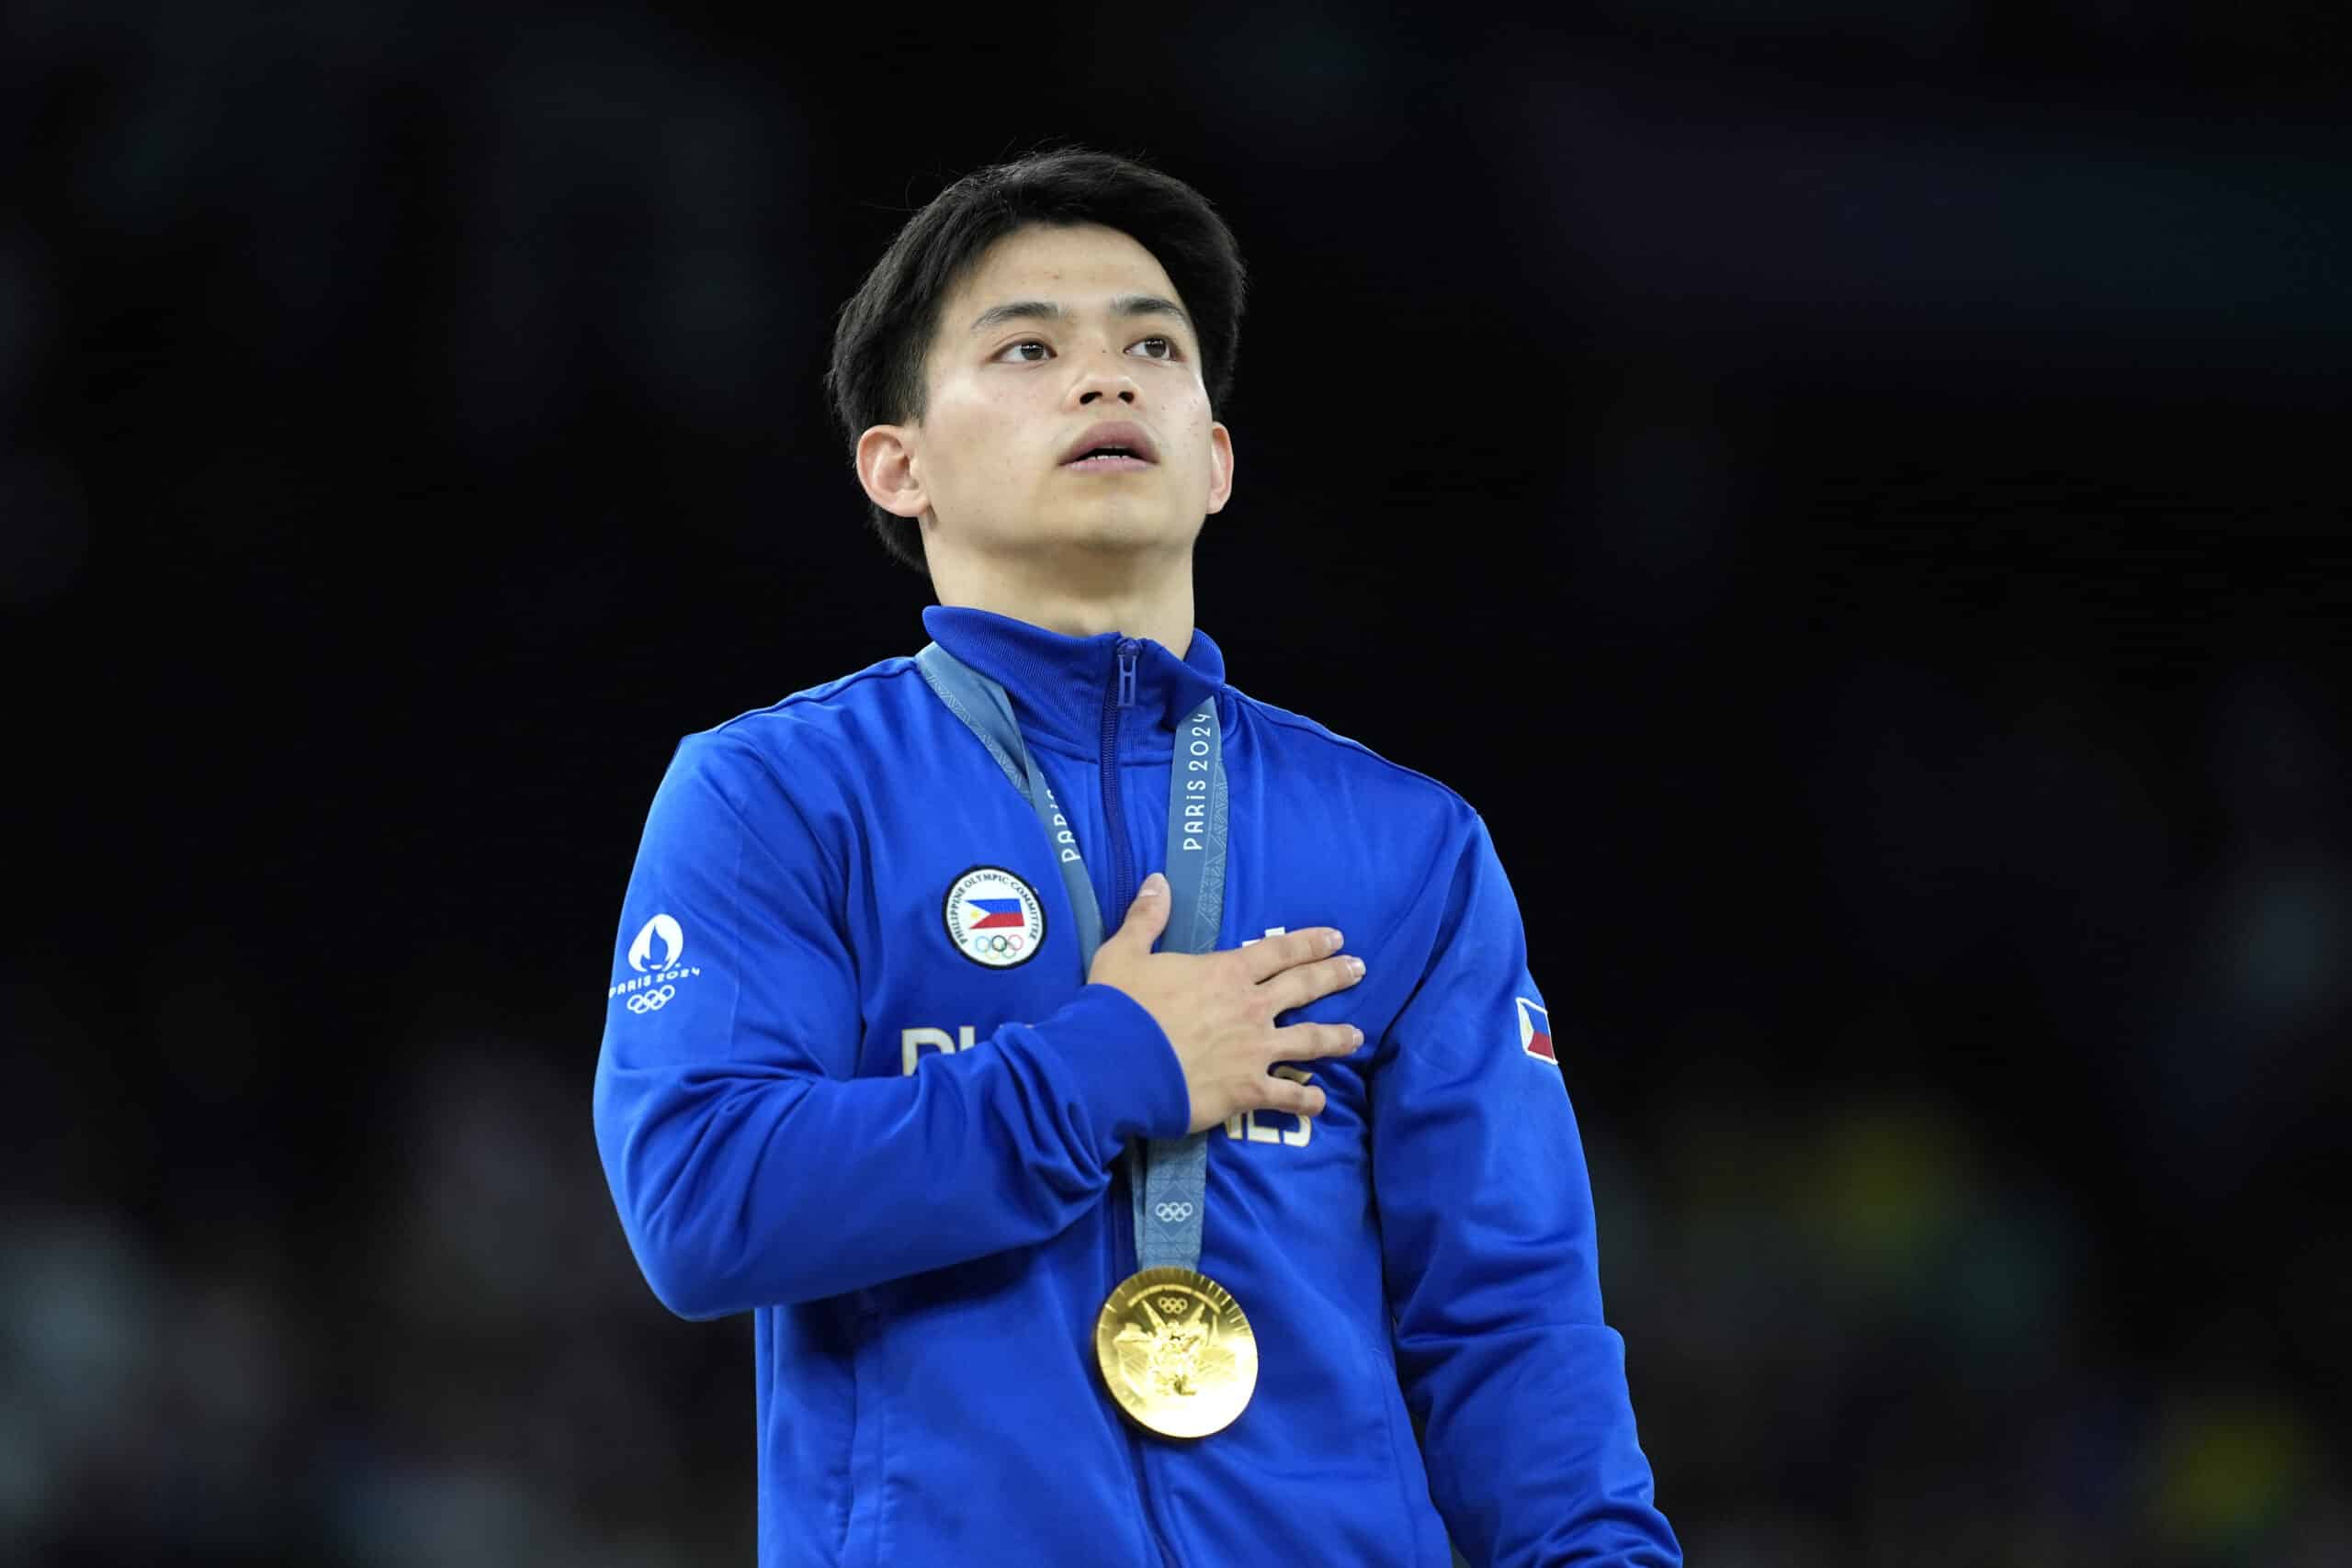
(1120, 698)
(1115, 701)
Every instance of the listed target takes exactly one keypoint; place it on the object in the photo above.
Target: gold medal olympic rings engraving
(1176, 1352)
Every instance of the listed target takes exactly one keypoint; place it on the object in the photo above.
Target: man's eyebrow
(1047, 310)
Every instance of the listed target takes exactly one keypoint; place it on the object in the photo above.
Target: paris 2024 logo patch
(658, 955)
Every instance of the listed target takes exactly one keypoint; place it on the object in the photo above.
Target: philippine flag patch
(1535, 1031)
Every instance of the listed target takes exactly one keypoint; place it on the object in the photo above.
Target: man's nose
(1106, 372)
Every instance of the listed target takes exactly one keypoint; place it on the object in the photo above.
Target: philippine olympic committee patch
(994, 919)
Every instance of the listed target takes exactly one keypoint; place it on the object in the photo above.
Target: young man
(1089, 1215)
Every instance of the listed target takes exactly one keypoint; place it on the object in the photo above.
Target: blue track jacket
(814, 1106)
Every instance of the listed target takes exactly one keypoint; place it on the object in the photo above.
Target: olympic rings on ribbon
(1172, 1212)
(652, 1001)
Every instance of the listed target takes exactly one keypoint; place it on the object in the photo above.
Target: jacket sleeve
(1486, 1223)
(750, 1168)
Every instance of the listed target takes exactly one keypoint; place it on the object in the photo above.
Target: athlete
(982, 1022)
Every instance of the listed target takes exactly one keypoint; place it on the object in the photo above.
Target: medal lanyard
(1169, 1176)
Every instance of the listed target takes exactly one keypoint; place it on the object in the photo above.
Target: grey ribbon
(1169, 1176)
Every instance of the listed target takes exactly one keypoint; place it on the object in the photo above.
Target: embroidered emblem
(994, 919)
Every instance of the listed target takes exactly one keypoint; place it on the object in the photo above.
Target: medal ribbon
(1169, 1176)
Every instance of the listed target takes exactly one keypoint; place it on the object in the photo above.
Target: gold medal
(1176, 1352)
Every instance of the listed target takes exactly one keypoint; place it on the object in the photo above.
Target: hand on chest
(1032, 864)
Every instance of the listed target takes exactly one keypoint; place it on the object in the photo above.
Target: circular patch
(994, 918)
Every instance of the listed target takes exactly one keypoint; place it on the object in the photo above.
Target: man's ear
(885, 466)
(1220, 466)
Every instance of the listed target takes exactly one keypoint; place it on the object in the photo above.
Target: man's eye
(1167, 350)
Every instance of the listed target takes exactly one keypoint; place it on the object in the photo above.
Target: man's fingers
(1312, 982)
(1266, 959)
(1305, 1042)
(1147, 915)
(1299, 1100)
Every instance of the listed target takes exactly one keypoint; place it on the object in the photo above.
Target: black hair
(883, 334)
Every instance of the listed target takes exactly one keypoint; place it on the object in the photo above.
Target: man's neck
(1075, 602)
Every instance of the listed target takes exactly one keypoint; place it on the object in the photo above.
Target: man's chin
(1093, 530)
(1111, 531)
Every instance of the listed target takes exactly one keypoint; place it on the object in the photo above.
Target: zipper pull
(1127, 652)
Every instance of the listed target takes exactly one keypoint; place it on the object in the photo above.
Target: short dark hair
(883, 334)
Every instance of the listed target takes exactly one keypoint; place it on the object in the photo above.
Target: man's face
(1012, 388)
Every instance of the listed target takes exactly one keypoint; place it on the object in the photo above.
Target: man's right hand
(1218, 1008)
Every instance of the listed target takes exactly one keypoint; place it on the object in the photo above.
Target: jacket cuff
(1120, 1067)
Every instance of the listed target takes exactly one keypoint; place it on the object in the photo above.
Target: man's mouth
(1108, 460)
(1115, 445)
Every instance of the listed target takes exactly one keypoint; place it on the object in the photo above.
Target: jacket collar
(1060, 684)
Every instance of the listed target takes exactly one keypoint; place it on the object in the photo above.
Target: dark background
(1853, 492)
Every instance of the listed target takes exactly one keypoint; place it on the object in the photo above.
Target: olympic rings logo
(1172, 1212)
(999, 943)
(652, 1001)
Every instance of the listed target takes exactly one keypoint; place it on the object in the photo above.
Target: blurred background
(1853, 492)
